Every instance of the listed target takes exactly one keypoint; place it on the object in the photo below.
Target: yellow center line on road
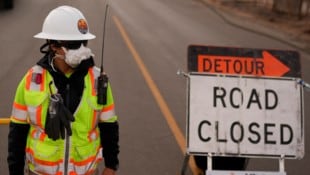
(156, 93)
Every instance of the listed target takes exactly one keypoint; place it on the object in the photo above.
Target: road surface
(146, 44)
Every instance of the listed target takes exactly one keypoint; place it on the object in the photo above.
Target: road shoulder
(260, 19)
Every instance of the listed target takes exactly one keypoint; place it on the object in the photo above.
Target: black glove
(58, 118)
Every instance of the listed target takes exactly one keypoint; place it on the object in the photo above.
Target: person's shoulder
(36, 68)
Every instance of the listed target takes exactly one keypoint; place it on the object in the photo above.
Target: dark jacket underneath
(17, 137)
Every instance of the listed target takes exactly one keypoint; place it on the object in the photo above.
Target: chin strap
(42, 48)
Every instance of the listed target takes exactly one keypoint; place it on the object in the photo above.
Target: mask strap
(51, 62)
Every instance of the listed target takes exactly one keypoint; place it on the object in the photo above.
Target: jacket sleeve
(109, 132)
(16, 147)
(109, 135)
(18, 131)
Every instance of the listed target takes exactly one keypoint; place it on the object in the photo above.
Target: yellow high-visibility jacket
(78, 154)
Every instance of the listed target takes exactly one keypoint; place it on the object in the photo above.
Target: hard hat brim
(43, 35)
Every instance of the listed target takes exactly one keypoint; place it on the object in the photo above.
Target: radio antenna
(103, 36)
(103, 80)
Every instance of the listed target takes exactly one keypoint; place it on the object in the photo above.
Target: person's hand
(108, 171)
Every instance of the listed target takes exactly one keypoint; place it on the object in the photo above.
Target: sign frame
(217, 172)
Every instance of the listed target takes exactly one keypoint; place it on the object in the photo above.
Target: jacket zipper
(67, 140)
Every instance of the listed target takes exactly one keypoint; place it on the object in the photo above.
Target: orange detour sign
(267, 66)
(243, 61)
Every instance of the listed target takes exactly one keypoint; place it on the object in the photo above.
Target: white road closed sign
(245, 116)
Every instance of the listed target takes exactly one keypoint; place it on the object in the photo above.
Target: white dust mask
(74, 57)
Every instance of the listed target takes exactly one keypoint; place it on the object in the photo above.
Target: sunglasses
(72, 45)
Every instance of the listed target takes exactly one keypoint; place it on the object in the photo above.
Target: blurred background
(153, 127)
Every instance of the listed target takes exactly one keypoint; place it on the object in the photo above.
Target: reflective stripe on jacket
(45, 156)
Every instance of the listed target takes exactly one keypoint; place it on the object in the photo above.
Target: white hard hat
(65, 23)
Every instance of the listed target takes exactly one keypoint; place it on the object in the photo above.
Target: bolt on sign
(257, 114)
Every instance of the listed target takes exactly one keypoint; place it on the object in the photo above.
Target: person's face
(57, 50)
(59, 59)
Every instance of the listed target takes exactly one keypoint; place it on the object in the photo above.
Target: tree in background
(292, 7)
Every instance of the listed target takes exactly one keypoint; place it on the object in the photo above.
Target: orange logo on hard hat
(82, 26)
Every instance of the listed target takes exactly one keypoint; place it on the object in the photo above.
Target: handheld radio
(102, 82)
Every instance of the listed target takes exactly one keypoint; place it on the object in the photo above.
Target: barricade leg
(185, 163)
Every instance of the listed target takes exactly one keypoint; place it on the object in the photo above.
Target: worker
(57, 126)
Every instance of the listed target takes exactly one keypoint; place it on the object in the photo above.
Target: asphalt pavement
(146, 45)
